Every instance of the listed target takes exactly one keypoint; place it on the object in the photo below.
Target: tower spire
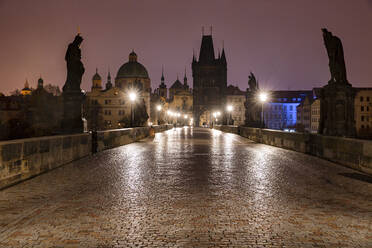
(203, 30)
(162, 74)
(223, 56)
(211, 29)
(185, 79)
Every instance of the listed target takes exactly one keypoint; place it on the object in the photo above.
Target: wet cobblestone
(190, 188)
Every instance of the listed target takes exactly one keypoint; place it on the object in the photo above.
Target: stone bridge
(190, 187)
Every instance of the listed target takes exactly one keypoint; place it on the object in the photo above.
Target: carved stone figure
(75, 68)
(72, 96)
(252, 110)
(336, 57)
(337, 97)
(252, 82)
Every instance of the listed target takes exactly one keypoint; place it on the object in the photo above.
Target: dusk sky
(280, 41)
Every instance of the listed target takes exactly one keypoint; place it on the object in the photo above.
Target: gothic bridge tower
(209, 82)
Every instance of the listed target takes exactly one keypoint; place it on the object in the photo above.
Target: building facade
(209, 82)
(280, 112)
(111, 107)
(363, 112)
(236, 98)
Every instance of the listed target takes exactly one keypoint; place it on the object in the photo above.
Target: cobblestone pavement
(190, 188)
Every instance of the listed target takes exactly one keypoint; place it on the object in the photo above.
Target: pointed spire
(162, 73)
(108, 84)
(223, 56)
(211, 30)
(26, 84)
(185, 80)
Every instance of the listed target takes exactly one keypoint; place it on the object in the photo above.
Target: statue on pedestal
(72, 96)
(337, 97)
(252, 109)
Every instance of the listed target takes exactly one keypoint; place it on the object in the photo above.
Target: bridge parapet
(354, 153)
(25, 158)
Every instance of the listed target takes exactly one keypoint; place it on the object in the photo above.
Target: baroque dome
(132, 69)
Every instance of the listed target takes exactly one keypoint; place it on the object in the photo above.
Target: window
(107, 112)
(107, 101)
(291, 108)
(362, 108)
(290, 116)
(361, 99)
(362, 118)
(362, 126)
(367, 108)
(367, 99)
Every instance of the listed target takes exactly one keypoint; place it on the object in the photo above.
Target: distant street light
(132, 98)
(263, 97)
(229, 109)
(158, 108)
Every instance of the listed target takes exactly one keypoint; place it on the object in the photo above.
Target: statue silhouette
(336, 57)
(75, 68)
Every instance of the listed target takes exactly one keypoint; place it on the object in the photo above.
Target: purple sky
(280, 41)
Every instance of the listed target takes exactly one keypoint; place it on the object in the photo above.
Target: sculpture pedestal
(72, 112)
(337, 110)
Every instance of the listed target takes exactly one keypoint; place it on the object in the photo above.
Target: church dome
(132, 69)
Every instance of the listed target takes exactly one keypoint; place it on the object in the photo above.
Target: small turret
(132, 57)
(40, 83)
(26, 90)
(108, 84)
(96, 81)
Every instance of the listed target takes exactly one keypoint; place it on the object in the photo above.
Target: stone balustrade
(354, 153)
(25, 158)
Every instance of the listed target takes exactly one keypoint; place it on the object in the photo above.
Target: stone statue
(336, 57)
(252, 110)
(252, 82)
(337, 97)
(75, 68)
(73, 97)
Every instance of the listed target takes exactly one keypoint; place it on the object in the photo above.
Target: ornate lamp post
(132, 98)
(263, 98)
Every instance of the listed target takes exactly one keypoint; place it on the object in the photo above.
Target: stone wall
(113, 138)
(162, 128)
(354, 153)
(24, 158)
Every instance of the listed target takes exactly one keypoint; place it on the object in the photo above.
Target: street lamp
(132, 98)
(229, 109)
(158, 108)
(263, 98)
